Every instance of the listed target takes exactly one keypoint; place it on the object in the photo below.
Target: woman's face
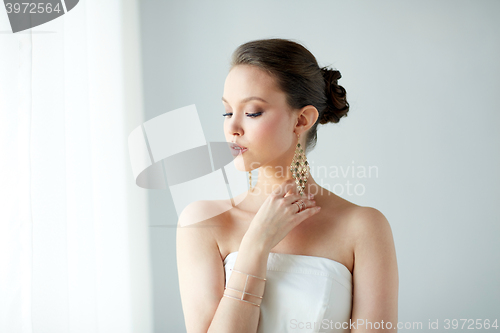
(258, 118)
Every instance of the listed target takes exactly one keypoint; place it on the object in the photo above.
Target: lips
(236, 149)
(235, 145)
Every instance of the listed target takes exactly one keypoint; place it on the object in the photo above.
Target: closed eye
(252, 115)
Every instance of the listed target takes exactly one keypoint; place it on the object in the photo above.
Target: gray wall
(422, 78)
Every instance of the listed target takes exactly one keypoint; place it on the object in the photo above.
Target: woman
(285, 258)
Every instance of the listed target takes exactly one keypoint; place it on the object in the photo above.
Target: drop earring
(300, 167)
(250, 180)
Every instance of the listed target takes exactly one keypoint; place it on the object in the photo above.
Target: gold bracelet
(244, 289)
(244, 292)
(239, 299)
(248, 274)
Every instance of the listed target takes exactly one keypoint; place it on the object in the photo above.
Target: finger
(307, 203)
(310, 203)
(307, 213)
(288, 193)
(291, 198)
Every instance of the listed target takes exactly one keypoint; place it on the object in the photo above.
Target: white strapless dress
(303, 294)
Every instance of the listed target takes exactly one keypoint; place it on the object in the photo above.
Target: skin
(278, 124)
(358, 237)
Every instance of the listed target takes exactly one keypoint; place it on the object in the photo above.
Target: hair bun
(336, 102)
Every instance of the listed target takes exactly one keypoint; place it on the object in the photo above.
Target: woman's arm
(201, 279)
(375, 274)
(201, 268)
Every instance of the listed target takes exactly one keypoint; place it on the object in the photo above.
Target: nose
(234, 128)
(234, 137)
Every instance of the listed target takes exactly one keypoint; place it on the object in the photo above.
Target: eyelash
(251, 115)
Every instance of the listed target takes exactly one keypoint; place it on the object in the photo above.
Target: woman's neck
(271, 177)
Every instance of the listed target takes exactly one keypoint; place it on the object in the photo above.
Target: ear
(306, 118)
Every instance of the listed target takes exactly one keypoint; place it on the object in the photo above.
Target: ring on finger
(300, 204)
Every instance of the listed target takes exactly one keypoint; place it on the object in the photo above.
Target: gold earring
(250, 180)
(300, 167)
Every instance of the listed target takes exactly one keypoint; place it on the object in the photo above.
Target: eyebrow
(248, 99)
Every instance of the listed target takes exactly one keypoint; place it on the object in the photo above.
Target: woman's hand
(278, 216)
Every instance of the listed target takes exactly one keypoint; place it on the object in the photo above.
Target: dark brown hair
(299, 76)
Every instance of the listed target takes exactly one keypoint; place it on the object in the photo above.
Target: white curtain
(74, 249)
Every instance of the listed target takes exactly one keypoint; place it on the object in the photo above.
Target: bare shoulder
(203, 212)
(356, 230)
(217, 220)
(374, 246)
(369, 222)
(198, 226)
(194, 227)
